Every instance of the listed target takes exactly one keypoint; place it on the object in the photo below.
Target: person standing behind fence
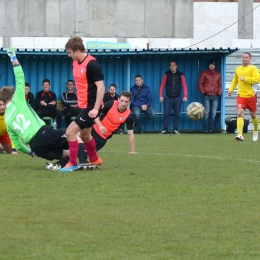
(174, 81)
(70, 102)
(210, 86)
(141, 103)
(245, 77)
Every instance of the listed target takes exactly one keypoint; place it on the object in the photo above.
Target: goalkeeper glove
(11, 54)
(32, 154)
(14, 151)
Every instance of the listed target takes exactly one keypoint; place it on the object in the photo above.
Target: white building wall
(212, 28)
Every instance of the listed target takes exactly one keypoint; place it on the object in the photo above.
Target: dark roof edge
(124, 51)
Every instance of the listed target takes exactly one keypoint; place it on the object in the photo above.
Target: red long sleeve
(184, 86)
(162, 86)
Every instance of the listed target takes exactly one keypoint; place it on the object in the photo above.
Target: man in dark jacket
(174, 81)
(70, 102)
(141, 103)
(46, 104)
(210, 86)
(29, 95)
(111, 94)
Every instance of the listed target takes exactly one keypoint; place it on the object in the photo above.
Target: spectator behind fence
(174, 81)
(141, 103)
(69, 100)
(210, 86)
(29, 95)
(111, 94)
(46, 104)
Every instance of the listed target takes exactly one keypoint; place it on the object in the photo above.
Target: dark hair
(247, 53)
(27, 84)
(126, 94)
(138, 76)
(75, 43)
(70, 80)
(112, 85)
(6, 93)
(173, 61)
(46, 81)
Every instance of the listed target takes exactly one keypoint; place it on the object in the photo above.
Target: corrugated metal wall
(120, 70)
(153, 71)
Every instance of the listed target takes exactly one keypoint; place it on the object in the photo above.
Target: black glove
(205, 94)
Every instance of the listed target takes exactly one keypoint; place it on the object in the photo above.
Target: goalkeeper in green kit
(23, 123)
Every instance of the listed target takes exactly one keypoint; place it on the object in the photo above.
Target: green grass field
(190, 196)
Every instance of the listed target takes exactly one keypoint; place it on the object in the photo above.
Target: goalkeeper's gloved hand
(14, 151)
(11, 54)
(32, 154)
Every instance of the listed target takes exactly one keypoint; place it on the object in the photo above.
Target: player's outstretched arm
(19, 97)
(131, 139)
(19, 145)
(12, 55)
(19, 75)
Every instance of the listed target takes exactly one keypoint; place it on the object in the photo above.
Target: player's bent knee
(72, 131)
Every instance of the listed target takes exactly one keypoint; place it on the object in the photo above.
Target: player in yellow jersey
(246, 76)
(5, 141)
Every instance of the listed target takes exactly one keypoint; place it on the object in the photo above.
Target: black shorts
(100, 142)
(49, 143)
(83, 120)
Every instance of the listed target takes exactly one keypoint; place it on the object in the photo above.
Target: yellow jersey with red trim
(245, 87)
(3, 128)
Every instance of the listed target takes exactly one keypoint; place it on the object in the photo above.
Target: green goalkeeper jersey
(21, 120)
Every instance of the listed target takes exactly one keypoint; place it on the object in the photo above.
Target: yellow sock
(240, 125)
(255, 123)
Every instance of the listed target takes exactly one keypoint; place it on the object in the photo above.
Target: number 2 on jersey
(25, 124)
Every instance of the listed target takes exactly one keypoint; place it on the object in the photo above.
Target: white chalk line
(190, 155)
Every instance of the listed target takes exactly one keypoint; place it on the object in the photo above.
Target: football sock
(63, 161)
(91, 150)
(73, 146)
(240, 125)
(82, 154)
(255, 123)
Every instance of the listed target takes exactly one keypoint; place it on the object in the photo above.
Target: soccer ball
(195, 111)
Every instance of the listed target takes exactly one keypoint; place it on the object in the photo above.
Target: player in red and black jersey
(114, 115)
(90, 88)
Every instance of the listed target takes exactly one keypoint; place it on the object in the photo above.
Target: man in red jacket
(210, 86)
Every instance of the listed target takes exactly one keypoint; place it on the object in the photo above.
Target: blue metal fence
(120, 68)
